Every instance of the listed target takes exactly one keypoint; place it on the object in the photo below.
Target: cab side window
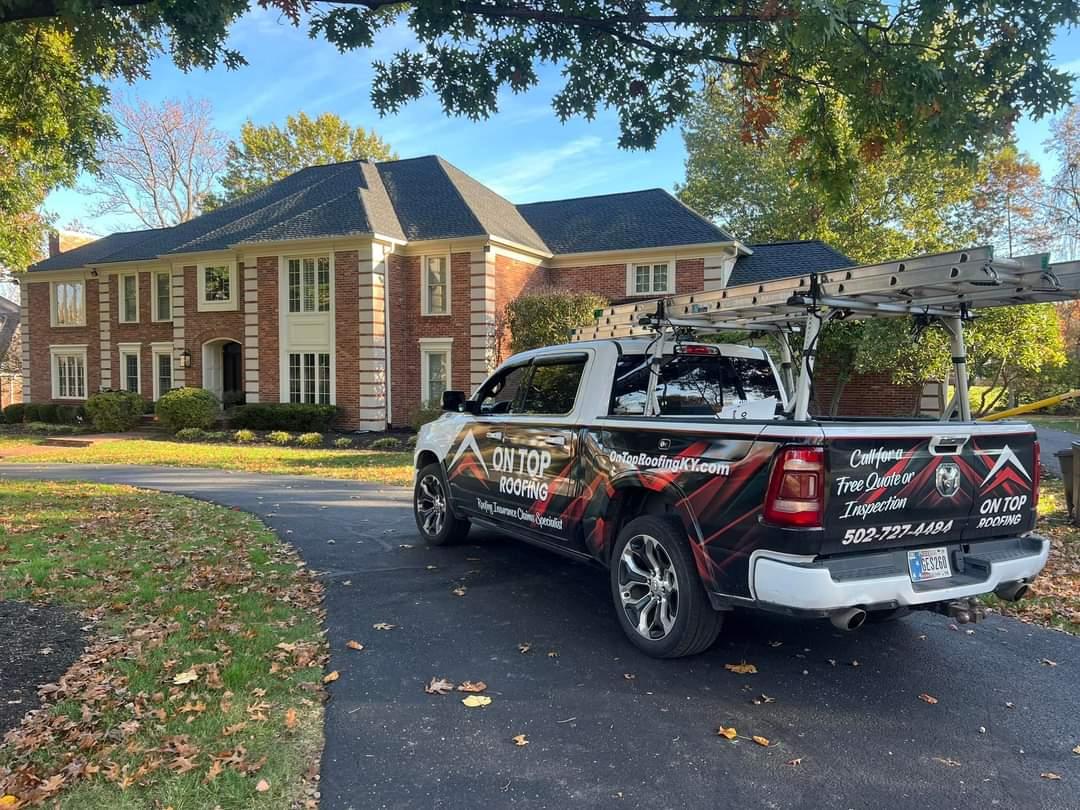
(501, 391)
(553, 387)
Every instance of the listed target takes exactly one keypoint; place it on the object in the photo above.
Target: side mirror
(453, 401)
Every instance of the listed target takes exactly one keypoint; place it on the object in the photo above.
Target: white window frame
(428, 347)
(425, 296)
(315, 257)
(218, 306)
(631, 278)
(124, 351)
(67, 350)
(53, 320)
(329, 375)
(158, 350)
(154, 303)
(120, 281)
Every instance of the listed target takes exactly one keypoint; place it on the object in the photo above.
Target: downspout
(386, 331)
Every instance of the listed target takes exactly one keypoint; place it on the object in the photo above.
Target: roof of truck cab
(631, 345)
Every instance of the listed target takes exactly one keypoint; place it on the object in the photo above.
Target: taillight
(1036, 478)
(796, 493)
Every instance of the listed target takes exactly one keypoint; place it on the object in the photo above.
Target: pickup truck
(721, 501)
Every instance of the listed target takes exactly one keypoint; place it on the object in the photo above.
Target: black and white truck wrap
(719, 500)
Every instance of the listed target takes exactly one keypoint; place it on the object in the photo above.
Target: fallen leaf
(187, 676)
(776, 643)
(928, 698)
(8, 801)
(629, 676)
(1050, 775)
(741, 669)
(795, 762)
(947, 761)
(520, 741)
(290, 719)
(383, 626)
(263, 786)
(855, 663)
(475, 701)
(182, 764)
(1077, 750)
(762, 741)
(215, 771)
(524, 647)
(730, 733)
(553, 653)
(763, 698)
(354, 645)
(1046, 662)
(1010, 705)
(459, 591)
(472, 686)
(330, 677)
(439, 686)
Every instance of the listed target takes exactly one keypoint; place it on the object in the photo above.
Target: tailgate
(927, 484)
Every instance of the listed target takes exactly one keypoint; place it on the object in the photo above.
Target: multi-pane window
(69, 303)
(436, 285)
(162, 297)
(309, 284)
(163, 371)
(652, 278)
(309, 377)
(129, 364)
(217, 283)
(434, 370)
(129, 298)
(69, 375)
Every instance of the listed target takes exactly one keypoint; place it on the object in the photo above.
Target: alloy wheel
(648, 587)
(431, 505)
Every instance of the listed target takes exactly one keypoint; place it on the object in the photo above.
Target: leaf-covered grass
(1055, 600)
(357, 465)
(201, 686)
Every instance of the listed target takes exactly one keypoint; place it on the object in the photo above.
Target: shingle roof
(775, 260)
(636, 219)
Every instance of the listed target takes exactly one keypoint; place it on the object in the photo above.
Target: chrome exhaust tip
(1013, 591)
(847, 620)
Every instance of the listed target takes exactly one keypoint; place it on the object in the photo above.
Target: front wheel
(659, 599)
(431, 508)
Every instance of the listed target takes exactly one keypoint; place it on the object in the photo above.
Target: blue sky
(523, 152)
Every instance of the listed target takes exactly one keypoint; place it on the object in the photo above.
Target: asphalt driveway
(607, 727)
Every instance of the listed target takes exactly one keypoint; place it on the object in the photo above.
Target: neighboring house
(373, 286)
(10, 379)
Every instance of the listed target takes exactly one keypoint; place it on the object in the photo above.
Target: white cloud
(532, 171)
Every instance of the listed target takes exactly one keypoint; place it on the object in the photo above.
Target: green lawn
(357, 465)
(1070, 424)
(202, 685)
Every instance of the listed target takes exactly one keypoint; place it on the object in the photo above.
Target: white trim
(122, 299)
(228, 305)
(154, 309)
(130, 350)
(288, 257)
(631, 277)
(52, 304)
(428, 347)
(285, 348)
(164, 348)
(67, 350)
(425, 302)
(601, 257)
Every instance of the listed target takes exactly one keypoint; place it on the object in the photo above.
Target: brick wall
(609, 280)
(145, 332)
(346, 311)
(269, 339)
(43, 336)
(864, 394)
(513, 278)
(200, 327)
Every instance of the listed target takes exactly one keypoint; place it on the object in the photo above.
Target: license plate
(928, 563)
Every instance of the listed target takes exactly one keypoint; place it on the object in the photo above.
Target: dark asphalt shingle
(775, 260)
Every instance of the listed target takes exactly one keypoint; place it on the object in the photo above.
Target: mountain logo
(469, 443)
(1006, 468)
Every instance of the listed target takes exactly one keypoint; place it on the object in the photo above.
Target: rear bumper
(881, 580)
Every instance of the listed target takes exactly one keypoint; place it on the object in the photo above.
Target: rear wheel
(659, 599)
(431, 508)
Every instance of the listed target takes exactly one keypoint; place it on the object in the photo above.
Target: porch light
(185, 359)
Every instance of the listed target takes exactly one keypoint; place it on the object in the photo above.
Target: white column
(179, 374)
(371, 319)
(482, 318)
(251, 332)
(105, 330)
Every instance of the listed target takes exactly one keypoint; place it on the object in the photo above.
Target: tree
(545, 317)
(163, 165)
(265, 154)
(1009, 206)
(897, 204)
(1064, 191)
(931, 77)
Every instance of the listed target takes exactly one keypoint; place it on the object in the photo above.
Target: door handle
(495, 434)
(556, 441)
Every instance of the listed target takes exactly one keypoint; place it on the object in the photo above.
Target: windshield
(695, 385)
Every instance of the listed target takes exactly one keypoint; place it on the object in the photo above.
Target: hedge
(115, 411)
(46, 412)
(299, 417)
(15, 414)
(188, 408)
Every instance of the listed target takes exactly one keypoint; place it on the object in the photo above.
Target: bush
(422, 416)
(279, 437)
(385, 443)
(310, 440)
(41, 412)
(50, 430)
(244, 436)
(545, 318)
(15, 414)
(188, 408)
(410, 442)
(191, 434)
(114, 411)
(300, 417)
(70, 414)
(344, 443)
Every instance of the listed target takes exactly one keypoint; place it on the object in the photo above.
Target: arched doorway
(223, 370)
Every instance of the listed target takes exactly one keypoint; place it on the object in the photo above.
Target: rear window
(692, 385)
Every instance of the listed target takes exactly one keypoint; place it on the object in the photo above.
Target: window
(163, 368)
(501, 391)
(650, 279)
(309, 377)
(129, 298)
(553, 386)
(309, 284)
(162, 297)
(69, 372)
(217, 283)
(130, 379)
(434, 370)
(435, 288)
(691, 385)
(69, 303)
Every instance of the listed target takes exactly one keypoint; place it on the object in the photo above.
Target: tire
(887, 615)
(431, 508)
(658, 548)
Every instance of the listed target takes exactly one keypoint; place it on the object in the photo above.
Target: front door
(232, 375)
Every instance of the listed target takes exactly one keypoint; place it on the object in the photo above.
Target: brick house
(372, 286)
